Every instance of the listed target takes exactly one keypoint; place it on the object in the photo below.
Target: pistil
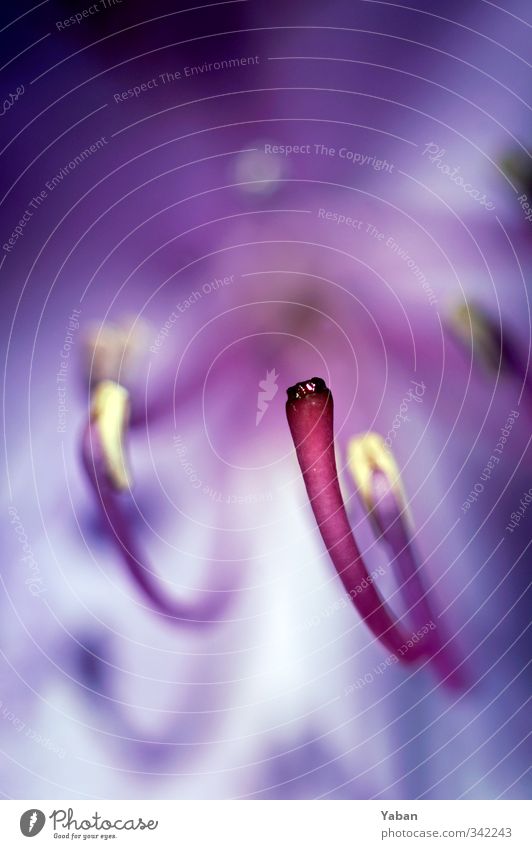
(310, 417)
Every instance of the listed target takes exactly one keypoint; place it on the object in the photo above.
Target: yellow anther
(110, 415)
(478, 332)
(366, 455)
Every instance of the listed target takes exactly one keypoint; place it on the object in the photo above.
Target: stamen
(367, 455)
(105, 349)
(113, 351)
(377, 478)
(110, 415)
(493, 348)
(476, 331)
(517, 166)
(103, 456)
(381, 492)
(309, 411)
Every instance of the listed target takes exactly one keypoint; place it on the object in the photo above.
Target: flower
(238, 229)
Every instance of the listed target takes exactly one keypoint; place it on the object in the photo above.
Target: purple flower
(350, 202)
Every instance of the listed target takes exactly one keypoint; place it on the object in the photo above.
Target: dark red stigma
(314, 386)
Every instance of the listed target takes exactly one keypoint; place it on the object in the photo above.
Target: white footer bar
(268, 824)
